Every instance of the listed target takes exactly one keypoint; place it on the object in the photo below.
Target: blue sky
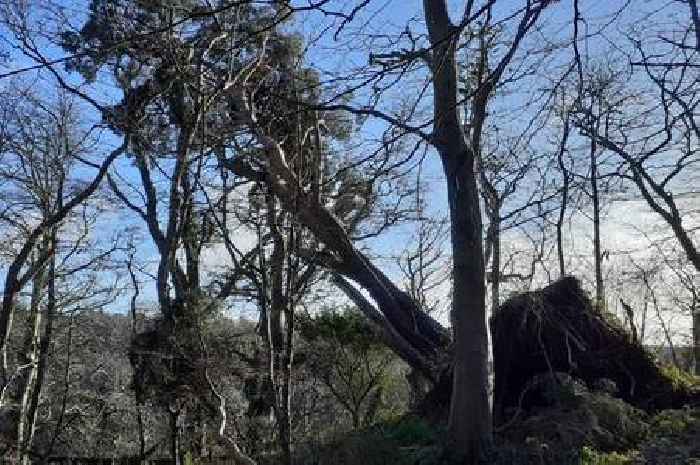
(344, 55)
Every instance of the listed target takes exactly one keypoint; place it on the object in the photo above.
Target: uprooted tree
(557, 329)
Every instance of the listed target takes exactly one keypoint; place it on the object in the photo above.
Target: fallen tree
(557, 329)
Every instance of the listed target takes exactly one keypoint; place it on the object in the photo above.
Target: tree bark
(32, 348)
(469, 424)
(142, 435)
(175, 437)
(391, 337)
(597, 254)
(696, 341)
(400, 314)
(564, 197)
(43, 356)
(470, 429)
(278, 369)
(496, 262)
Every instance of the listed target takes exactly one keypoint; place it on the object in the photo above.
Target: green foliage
(674, 438)
(348, 328)
(410, 431)
(674, 422)
(580, 418)
(344, 353)
(619, 425)
(590, 456)
(680, 379)
(403, 441)
(189, 459)
(366, 449)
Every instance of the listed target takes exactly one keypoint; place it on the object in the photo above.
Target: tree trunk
(142, 435)
(287, 383)
(415, 336)
(279, 368)
(175, 437)
(597, 254)
(696, 341)
(496, 261)
(564, 197)
(469, 425)
(14, 279)
(32, 348)
(43, 358)
(423, 368)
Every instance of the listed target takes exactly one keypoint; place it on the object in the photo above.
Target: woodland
(349, 232)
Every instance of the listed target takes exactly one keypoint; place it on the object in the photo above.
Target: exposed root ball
(556, 329)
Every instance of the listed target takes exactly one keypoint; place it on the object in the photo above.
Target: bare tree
(565, 192)
(656, 150)
(425, 266)
(41, 169)
(651, 128)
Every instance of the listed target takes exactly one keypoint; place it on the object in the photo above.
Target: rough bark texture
(470, 414)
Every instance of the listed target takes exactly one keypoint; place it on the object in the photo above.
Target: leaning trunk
(412, 333)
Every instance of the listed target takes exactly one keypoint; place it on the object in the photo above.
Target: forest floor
(579, 427)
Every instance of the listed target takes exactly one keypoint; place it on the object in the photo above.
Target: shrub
(582, 418)
(592, 457)
(674, 438)
(410, 431)
(671, 422)
(681, 380)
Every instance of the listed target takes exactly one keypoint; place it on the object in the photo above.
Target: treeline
(345, 380)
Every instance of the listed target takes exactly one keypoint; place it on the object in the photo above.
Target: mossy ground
(581, 428)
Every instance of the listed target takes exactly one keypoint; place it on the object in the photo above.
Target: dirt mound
(575, 417)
